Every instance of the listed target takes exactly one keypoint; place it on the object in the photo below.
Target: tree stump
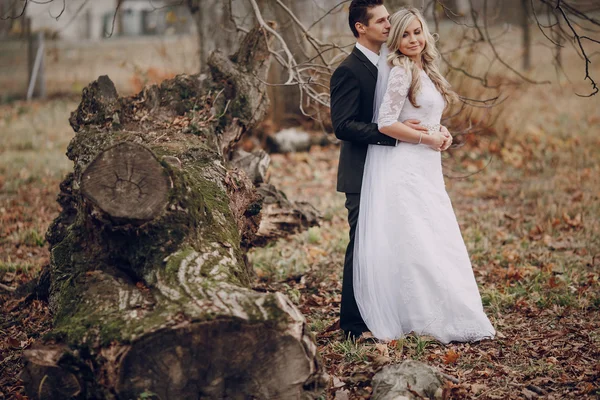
(150, 287)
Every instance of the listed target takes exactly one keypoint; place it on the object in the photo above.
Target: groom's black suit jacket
(352, 89)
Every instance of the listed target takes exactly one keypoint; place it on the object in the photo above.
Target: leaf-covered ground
(531, 221)
(528, 202)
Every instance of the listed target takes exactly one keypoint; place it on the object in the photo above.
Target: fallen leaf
(477, 388)
(552, 282)
(381, 360)
(578, 196)
(337, 382)
(451, 357)
(8, 277)
(528, 394)
(484, 373)
(382, 348)
(572, 222)
(515, 274)
(536, 233)
(12, 342)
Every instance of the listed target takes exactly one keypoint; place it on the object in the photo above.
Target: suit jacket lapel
(368, 64)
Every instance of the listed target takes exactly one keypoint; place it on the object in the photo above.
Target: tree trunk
(526, 35)
(286, 99)
(211, 17)
(150, 287)
(9, 12)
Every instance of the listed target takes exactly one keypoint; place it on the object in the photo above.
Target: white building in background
(96, 19)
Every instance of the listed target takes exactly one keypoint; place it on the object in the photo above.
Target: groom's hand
(414, 123)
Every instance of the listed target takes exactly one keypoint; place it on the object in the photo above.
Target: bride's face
(413, 39)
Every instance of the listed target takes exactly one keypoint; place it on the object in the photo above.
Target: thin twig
(493, 47)
(64, 6)
(16, 16)
(327, 13)
(112, 28)
(583, 53)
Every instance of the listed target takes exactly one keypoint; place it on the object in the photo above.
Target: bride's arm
(391, 106)
(404, 133)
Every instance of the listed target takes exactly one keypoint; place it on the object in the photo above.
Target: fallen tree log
(150, 287)
(280, 217)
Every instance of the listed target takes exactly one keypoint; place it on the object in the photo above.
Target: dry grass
(34, 141)
(129, 61)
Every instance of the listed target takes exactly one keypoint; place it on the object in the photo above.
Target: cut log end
(44, 377)
(218, 359)
(127, 182)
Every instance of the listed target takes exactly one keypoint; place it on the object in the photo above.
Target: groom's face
(378, 29)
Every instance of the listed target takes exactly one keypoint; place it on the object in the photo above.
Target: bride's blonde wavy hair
(430, 56)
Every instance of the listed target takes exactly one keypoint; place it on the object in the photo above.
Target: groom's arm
(345, 112)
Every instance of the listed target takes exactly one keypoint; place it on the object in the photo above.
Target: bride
(412, 272)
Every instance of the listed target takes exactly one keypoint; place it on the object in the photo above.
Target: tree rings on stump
(127, 182)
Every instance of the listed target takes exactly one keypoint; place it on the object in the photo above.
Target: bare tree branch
(64, 6)
(312, 75)
(21, 13)
(498, 57)
(154, 8)
(587, 60)
(76, 14)
(327, 13)
(291, 62)
(112, 28)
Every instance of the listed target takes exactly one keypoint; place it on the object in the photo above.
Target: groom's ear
(360, 28)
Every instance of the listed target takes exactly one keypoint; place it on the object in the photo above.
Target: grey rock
(289, 140)
(402, 381)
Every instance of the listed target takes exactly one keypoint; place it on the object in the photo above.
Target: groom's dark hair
(359, 12)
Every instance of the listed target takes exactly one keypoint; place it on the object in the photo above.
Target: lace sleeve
(395, 95)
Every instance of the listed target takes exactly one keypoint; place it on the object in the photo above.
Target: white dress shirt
(372, 56)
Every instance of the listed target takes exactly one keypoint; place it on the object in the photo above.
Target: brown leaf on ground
(451, 357)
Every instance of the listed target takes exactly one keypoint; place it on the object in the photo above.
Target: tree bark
(9, 11)
(213, 16)
(150, 288)
(526, 35)
(286, 99)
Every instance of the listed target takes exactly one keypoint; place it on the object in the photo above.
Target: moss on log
(150, 287)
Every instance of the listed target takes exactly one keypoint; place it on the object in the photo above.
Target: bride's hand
(448, 138)
(436, 141)
(444, 131)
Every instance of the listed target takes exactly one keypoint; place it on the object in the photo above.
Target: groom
(352, 93)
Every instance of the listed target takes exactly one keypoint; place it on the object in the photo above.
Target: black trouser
(350, 319)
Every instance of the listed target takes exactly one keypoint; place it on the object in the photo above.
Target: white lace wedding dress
(412, 272)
